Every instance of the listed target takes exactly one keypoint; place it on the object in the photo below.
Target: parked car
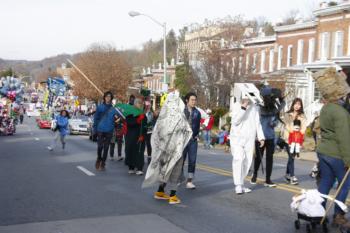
(79, 125)
(91, 131)
(44, 123)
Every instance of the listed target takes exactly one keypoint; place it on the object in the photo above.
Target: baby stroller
(308, 206)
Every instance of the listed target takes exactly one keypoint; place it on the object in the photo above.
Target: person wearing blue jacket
(61, 129)
(104, 124)
(193, 117)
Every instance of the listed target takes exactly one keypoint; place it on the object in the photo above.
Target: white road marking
(87, 172)
(37, 139)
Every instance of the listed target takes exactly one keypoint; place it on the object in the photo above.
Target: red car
(44, 124)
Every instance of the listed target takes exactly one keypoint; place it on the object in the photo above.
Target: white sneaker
(239, 190)
(294, 180)
(246, 190)
(190, 185)
(50, 148)
(131, 172)
(139, 173)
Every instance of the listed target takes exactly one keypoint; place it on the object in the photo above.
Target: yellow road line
(285, 187)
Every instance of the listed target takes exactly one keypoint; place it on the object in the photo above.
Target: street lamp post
(163, 25)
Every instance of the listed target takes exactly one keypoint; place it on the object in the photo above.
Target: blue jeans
(290, 164)
(207, 138)
(191, 151)
(331, 169)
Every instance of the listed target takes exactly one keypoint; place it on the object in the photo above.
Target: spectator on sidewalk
(296, 112)
(207, 130)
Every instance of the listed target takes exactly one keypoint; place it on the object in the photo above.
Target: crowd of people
(170, 137)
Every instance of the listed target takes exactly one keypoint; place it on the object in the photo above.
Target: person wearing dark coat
(135, 141)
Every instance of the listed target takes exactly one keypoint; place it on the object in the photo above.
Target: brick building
(288, 58)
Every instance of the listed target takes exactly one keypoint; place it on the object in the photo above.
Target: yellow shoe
(174, 200)
(161, 196)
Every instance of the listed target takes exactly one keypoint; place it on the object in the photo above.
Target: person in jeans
(333, 150)
(207, 130)
(296, 112)
(104, 124)
(61, 130)
(193, 117)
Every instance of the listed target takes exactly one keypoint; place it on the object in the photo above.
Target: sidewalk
(304, 155)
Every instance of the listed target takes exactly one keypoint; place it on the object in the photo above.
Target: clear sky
(35, 29)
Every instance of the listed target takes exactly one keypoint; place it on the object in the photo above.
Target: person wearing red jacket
(208, 125)
(295, 139)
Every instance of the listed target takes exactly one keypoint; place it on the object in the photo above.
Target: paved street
(60, 191)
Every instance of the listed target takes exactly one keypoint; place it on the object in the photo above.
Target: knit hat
(332, 84)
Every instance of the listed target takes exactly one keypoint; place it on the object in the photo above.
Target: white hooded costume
(309, 203)
(245, 128)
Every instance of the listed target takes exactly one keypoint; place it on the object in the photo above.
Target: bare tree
(291, 18)
(106, 68)
(216, 70)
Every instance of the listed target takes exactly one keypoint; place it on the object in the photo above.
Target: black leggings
(103, 141)
(269, 146)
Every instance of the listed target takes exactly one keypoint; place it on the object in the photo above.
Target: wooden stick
(336, 194)
(81, 72)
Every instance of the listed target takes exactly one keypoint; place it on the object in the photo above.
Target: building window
(255, 57)
(338, 45)
(247, 64)
(233, 65)
(271, 60)
(300, 52)
(240, 65)
(280, 55)
(325, 45)
(262, 62)
(290, 55)
(311, 55)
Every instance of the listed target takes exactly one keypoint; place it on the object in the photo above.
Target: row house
(153, 78)
(288, 59)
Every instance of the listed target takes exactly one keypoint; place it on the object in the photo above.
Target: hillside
(34, 68)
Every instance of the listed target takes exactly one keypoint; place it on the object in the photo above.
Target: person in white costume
(245, 128)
